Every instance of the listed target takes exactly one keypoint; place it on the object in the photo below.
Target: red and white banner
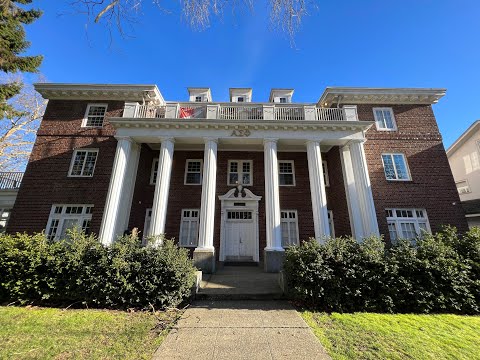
(191, 112)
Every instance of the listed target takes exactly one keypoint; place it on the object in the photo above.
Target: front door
(240, 236)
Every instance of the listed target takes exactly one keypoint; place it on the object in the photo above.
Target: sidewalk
(246, 329)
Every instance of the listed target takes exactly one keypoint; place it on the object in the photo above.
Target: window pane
(233, 178)
(192, 238)
(388, 119)
(246, 179)
(78, 163)
(184, 233)
(285, 233)
(234, 167)
(96, 114)
(402, 172)
(68, 224)
(408, 230)
(193, 178)
(388, 167)
(89, 163)
(293, 233)
(392, 229)
(246, 167)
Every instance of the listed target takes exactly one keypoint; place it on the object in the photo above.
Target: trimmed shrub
(437, 273)
(82, 270)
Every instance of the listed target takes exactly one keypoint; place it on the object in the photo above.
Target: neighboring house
(464, 158)
(9, 185)
(242, 180)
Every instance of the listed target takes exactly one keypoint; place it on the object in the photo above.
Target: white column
(363, 189)
(272, 196)
(109, 229)
(162, 187)
(129, 187)
(209, 186)
(317, 190)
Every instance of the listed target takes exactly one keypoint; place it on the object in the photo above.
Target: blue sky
(408, 43)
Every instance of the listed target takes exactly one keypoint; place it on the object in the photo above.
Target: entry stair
(235, 282)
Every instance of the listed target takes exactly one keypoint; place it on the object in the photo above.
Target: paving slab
(246, 329)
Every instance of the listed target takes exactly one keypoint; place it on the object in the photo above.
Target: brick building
(237, 181)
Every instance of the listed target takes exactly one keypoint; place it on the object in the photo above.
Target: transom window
(406, 223)
(94, 115)
(239, 215)
(193, 172)
(83, 162)
(395, 167)
(286, 173)
(384, 119)
(189, 228)
(289, 227)
(65, 217)
(326, 179)
(240, 172)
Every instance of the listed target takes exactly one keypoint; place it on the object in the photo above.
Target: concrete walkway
(246, 329)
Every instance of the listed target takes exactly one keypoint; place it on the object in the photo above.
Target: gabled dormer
(281, 96)
(240, 94)
(199, 94)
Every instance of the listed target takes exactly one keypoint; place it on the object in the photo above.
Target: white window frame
(147, 223)
(326, 178)
(154, 171)
(186, 171)
(293, 172)
(85, 117)
(85, 215)
(198, 98)
(395, 167)
(4, 218)
(72, 161)
(331, 224)
(240, 171)
(463, 189)
(396, 220)
(189, 219)
(290, 222)
(377, 121)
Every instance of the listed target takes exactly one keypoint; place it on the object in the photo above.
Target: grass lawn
(383, 336)
(44, 333)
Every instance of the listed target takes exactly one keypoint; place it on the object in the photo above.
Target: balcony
(10, 180)
(242, 111)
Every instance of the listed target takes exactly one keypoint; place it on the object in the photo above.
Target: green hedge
(82, 270)
(436, 273)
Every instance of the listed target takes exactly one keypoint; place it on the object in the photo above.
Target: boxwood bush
(436, 273)
(81, 270)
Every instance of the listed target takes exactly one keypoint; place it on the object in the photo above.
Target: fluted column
(363, 189)
(109, 229)
(162, 187)
(317, 190)
(204, 254)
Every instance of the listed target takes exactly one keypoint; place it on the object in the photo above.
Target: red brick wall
(432, 186)
(45, 181)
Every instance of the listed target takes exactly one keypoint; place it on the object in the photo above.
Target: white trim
(331, 223)
(290, 221)
(292, 173)
(383, 109)
(395, 167)
(240, 172)
(466, 188)
(72, 161)
(186, 168)
(60, 217)
(153, 171)
(326, 177)
(190, 219)
(472, 215)
(85, 117)
(146, 223)
(398, 220)
(464, 137)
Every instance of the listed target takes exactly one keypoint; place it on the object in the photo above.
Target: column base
(273, 260)
(204, 259)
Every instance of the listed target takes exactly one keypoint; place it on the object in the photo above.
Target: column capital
(355, 141)
(269, 140)
(125, 138)
(167, 139)
(209, 139)
(313, 141)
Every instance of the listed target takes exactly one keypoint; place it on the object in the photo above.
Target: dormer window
(283, 100)
(240, 99)
(198, 99)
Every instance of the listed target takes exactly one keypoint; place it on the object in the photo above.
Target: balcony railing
(235, 111)
(10, 180)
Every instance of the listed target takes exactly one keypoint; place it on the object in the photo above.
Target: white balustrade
(241, 112)
(150, 111)
(331, 114)
(287, 112)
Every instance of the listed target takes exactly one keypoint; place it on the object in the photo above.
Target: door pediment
(240, 193)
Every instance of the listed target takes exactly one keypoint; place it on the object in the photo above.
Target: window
(189, 228)
(198, 99)
(384, 119)
(395, 167)
(94, 115)
(330, 223)
(289, 227)
(240, 172)
(83, 162)
(146, 225)
(286, 173)
(462, 187)
(240, 99)
(283, 100)
(66, 217)
(4, 216)
(153, 173)
(193, 172)
(406, 223)
(325, 173)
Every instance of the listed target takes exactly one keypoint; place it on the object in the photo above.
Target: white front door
(240, 236)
